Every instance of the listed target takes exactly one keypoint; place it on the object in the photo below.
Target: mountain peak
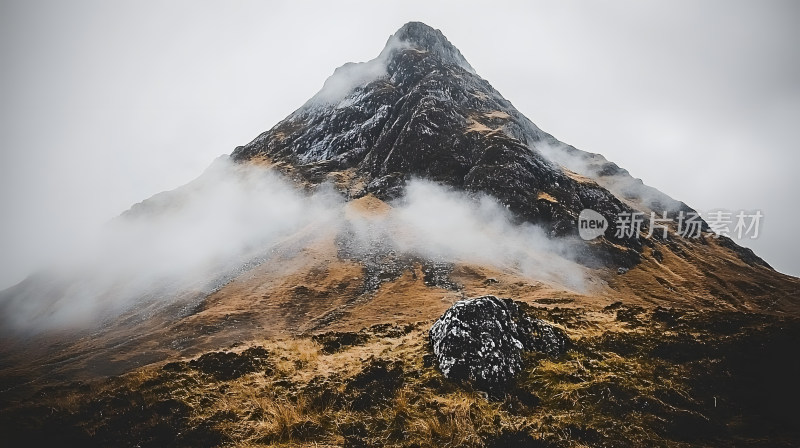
(426, 38)
(419, 110)
(413, 50)
(418, 31)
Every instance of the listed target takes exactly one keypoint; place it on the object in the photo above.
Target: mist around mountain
(285, 297)
(196, 239)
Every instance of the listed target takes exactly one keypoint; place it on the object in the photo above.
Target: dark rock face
(420, 110)
(430, 116)
(482, 340)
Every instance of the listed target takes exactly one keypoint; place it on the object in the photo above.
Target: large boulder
(481, 340)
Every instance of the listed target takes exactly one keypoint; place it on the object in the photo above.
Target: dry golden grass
(546, 197)
(296, 356)
(497, 114)
(629, 380)
(476, 126)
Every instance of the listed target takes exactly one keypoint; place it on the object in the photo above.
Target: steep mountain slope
(426, 114)
(420, 110)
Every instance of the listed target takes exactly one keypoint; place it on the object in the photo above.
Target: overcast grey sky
(105, 103)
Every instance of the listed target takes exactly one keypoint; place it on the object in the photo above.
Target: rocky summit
(426, 113)
(420, 110)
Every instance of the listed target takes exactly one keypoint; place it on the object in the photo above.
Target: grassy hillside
(671, 378)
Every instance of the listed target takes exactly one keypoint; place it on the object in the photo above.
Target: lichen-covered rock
(481, 340)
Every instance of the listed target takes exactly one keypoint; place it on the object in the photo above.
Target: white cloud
(352, 75)
(185, 241)
(179, 246)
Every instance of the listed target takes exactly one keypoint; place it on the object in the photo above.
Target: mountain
(420, 110)
(285, 295)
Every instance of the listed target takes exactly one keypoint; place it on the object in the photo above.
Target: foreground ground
(633, 377)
